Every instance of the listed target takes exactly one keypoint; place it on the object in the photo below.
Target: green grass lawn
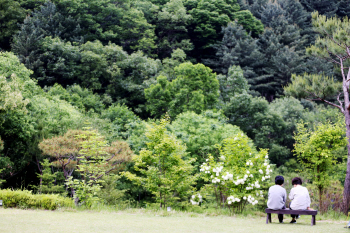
(17, 220)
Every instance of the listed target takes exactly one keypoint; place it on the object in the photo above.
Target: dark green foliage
(106, 69)
(82, 98)
(11, 14)
(106, 21)
(324, 7)
(237, 48)
(231, 84)
(254, 6)
(171, 30)
(344, 8)
(269, 125)
(27, 43)
(267, 62)
(123, 120)
(208, 19)
(159, 97)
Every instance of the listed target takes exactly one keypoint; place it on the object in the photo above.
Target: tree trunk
(320, 199)
(346, 194)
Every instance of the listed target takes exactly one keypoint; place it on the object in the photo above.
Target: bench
(289, 211)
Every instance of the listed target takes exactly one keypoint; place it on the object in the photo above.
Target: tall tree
(163, 170)
(333, 45)
(237, 48)
(317, 152)
(11, 13)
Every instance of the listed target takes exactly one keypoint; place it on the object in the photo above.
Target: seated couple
(299, 196)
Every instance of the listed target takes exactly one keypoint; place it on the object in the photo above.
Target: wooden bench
(289, 211)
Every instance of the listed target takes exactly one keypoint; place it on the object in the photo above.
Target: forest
(181, 103)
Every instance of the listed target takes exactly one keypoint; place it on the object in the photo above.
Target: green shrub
(25, 199)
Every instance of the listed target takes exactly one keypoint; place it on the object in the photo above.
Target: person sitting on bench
(299, 196)
(277, 197)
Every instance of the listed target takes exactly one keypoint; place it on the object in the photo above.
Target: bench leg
(313, 220)
(268, 218)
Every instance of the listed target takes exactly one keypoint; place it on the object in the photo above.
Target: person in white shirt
(299, 196)
(277, 197)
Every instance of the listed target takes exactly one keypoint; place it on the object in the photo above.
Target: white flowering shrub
(196, 199)
(238, 176)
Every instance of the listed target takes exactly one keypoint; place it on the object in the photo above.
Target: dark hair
(279, 180)
(296, 180)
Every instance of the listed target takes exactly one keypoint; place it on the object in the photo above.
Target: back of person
(300, 198)
(276, 197)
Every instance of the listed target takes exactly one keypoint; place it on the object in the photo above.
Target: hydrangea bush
(239, 174)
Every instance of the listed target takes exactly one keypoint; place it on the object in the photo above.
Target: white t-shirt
(300, 198)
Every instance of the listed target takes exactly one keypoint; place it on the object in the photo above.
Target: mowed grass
(17, 220)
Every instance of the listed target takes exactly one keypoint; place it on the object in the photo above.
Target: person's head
(279, 180)
(297, 181)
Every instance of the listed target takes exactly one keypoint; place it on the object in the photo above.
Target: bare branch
(340, 102)
(326, 101)
(114, 155)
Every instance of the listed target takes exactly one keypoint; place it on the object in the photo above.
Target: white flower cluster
(259, 194)
(228, 176)
(205, 168)
(232, 199)
(241, 181)
(265, 177)
(251, 200)
(267, 171)
(215, 180)
(251, 186)
(196, 202)
(217, 170)
(249, 162)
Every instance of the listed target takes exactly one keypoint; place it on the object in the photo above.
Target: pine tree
(237, 48)
(283, 48)
(295, 13)
(324, 7)
(27, 44)
(254, 6)
(49, 180)
(344, 8)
